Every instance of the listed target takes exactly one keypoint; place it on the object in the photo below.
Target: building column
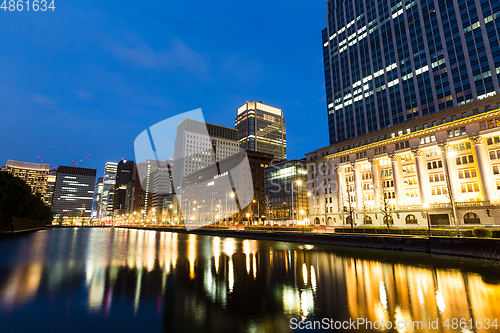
(357, 185)
(397, 176)
(485, 179)
(334, 185)
(449, 180)
(423, 181)
(339, 173)
(376, 183)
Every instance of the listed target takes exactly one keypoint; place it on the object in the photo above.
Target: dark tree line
(16, 200)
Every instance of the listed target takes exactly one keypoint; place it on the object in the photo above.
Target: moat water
(120, 280)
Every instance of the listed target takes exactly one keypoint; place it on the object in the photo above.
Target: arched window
(367, 220)
(329, 221)
(471, 218)
(316, 221)
(411, 219)
(388, 218)
(348, 220)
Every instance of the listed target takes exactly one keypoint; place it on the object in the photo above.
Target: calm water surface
(118, 280)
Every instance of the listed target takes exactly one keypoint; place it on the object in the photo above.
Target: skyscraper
(261, 128)
(96, 201)
(74, 191)
(123, 177)
(389, 62)
(108, 188)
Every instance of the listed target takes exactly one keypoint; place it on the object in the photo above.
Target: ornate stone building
(437, 169)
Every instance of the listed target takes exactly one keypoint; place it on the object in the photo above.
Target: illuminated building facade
(49, 189)
(34, 174)
(445, 169)
(261, 128)
(73, 192)
(279, 179)
(108, 189)
(162, 188)
(389, 62)
(220, 192)
(96, 201)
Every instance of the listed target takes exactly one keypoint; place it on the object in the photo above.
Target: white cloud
(178, 56)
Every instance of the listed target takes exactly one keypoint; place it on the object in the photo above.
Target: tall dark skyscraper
(390, 61)
(261, 128)
(123, 177)
(74, 191)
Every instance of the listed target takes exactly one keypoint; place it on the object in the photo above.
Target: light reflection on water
(119, 279)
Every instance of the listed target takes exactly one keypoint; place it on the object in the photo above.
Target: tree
(325, 211)
(385, 206)
(341, 207)
(350, 208)
(267, 209)
(17, 201)
(364, 209)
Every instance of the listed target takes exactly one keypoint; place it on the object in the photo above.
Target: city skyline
(140, 73)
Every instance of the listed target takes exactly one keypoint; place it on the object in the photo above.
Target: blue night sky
(92, 75)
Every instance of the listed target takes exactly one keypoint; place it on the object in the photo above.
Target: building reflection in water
(182, 282)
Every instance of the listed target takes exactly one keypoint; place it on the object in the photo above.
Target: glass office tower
(390, 61)
(261, 128)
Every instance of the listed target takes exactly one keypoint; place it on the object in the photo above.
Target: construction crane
(73, 164)
(44, 161)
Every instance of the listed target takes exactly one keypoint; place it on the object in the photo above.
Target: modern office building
(108, 189)
(446, 169)
(34, 174)
(96, 200)
(286, 190)
(123, 177)
(258, 163)
(219, 192)
(74, 192)
(49, 189)
(199, 145)
(139, 191)
(261, 128)
(386, 63)
(162, 189)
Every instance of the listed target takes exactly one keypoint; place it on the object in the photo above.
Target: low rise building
(286, 192)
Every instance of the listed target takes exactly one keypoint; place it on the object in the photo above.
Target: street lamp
(258, 208)
(426, 207)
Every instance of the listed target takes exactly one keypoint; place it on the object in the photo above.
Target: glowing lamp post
(426, 207)
(258, 209)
